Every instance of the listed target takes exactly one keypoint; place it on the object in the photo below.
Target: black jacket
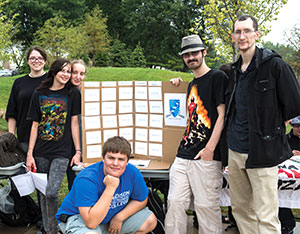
(273, 98)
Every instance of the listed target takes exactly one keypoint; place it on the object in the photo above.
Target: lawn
(104, 74)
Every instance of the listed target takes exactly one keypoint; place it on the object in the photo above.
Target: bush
(119, 55)
(137, 57)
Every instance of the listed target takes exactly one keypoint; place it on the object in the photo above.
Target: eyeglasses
(194, 54)
(36, 59)
(246, 32)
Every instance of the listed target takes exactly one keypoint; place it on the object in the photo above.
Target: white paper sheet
(125, 83)
(139, 163)
(156, 121)
(155, 150)
(140, 83)
(141, 120)
(141, 93)
(92, 122)
(108, 94)
(175, 109)
(141, 148)
(156, 107)
(127, 133)
(155, 93)
(125, 107)
(156, 135)
(92, 108)
(141, 134)
(126, 93)
(27, 183)
(109, 83)
(109, 108)
(91, 84)
(141, 106)
(93, 151)
(109, 121)
(154, 83)
(125, 120)
(93, 137)
(91, 95)
(109, 133)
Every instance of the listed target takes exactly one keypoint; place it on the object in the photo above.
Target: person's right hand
(30, 162)
(111, 181)
(176, 81)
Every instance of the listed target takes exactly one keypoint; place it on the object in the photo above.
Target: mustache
(192, 60)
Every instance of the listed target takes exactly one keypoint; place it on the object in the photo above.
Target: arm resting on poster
(207, 153)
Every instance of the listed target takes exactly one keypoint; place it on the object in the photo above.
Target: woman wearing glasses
(21, 93)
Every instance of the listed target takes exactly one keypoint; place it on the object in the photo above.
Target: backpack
(11, 151)
(156, 205)
(25, 210)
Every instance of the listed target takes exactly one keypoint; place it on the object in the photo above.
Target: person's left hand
(205, 154)
(76, 159)
(115, 225)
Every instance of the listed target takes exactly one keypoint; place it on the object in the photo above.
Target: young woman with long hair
(54, 111)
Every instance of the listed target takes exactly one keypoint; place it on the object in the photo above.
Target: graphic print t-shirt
(53, 111)
(204, 95)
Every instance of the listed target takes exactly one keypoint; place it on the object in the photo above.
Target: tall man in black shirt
(261, 95)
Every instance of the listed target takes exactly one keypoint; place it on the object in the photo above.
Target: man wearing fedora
(196, 174)
(262, 93)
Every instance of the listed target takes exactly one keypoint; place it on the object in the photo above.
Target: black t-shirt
(53, 112)
(18, 104)
(293, 140)
(204, 95)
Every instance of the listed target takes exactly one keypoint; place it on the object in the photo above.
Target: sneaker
(285, 230)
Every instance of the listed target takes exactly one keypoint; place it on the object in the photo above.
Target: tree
(96, 31)
(137, 58)
(294, 41)
(75, 43)
(119, 55)
(159, 26)
(6, 28)
(219, 16)
(52, 36)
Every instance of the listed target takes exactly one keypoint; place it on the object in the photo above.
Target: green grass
(104, 74)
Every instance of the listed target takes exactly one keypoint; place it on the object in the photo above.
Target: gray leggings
(55, 169)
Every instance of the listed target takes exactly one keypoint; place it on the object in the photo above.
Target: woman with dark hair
(21, 93)
(54, 111)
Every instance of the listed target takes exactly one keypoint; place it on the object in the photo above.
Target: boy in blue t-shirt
(108, 197)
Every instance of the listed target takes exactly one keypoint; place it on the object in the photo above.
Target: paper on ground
(27, 183)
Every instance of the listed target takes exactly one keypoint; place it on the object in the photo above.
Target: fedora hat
(191, 43)
(295, 120)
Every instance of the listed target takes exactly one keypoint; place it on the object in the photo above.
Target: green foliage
(102, 59)
(52, 36)
(96, 30)
(75, 42)
(158, 25)
(119, 55)
(219, 16)
(6, 27)
(137, 58)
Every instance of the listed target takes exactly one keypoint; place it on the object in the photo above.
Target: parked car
(5, 72)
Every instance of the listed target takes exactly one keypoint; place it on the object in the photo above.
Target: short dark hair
(40, 50)
(245, 17)
(117, 144)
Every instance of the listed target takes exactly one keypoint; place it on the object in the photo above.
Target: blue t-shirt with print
(88, 188)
